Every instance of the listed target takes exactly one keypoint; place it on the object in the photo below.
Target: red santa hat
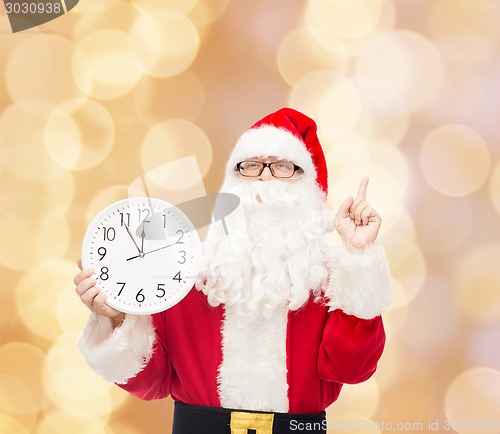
(287, 135)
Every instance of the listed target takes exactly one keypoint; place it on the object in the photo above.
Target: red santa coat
(294, 362)
(324, 350)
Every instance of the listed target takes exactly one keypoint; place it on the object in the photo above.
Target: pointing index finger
(363, 187)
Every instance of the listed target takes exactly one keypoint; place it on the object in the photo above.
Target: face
(266, 173)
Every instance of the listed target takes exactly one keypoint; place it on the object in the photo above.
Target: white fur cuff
(120, 354)
(359, 282)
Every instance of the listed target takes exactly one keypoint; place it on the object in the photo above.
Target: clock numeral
(164, 220)
(122, 219)
(109, 234)
(102, 251)
(104, 273)
(160, 289)
(121, 289)
(140, 296)
(180, 236)
(183, 256)
(177, 277)
(147, 215)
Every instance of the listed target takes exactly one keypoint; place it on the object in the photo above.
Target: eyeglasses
(279, 169)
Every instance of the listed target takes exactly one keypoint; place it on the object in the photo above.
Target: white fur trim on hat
(120, 354)
(359, 282)
(269, 141)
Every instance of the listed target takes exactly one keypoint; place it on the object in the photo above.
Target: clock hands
(142, 254)
(133, 239)
(143, 235)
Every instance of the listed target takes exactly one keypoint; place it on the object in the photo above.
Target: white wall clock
(146, 254)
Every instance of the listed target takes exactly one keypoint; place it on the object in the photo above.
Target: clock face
(146, 254)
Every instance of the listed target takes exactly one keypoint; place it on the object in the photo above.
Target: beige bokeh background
(405, 91)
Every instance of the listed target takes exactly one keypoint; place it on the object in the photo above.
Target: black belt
(192, 419)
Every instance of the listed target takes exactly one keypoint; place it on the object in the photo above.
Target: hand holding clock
(93, 297)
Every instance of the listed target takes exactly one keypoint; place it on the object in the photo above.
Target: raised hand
(356, 221)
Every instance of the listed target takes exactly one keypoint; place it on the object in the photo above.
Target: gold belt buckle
(241, 421)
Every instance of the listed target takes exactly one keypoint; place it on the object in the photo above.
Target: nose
(266, 174)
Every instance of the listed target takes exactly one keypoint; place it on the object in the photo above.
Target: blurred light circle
(474, 397)
(454, 160)
(476, 282)
(389, 367)
(182, 6)
(50, 199)
(15, 397)
(339, 110)
(362, 398)
(116, 14)
(207, 11)
(357, 45)
(328, 41)
(181, 96)
(22, 152)
(495, 187)
(38, 309)
(308, 92)
(468, 35)
(94, 8)
(408, 265)
(395, 319)
(392, 160)
(103, 198)
(46, 241)
(346, 423)
(385, 113)
(66, 371)
(79, 134)
(174, 139)
(433, 323)
(481, 351)
(10, 45)
(346, 151)
(177, 181)
(122, 427)
(396, 219)
(71, 313)
(346, 18)
(62, 138)
(40, 69)
(163, 43)
(68, 420)
(299, 54)
(9, 424)
(23, 362)
(444, 222)
(465, 90)
(383, 187)
(400, 299)
(91, 394)
(102, 66)
(265, 28)
(406, 60)
(409, 408)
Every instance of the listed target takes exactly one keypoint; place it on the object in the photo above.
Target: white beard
(275, 253)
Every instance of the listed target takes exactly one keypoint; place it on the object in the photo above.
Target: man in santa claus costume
(278, 320)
